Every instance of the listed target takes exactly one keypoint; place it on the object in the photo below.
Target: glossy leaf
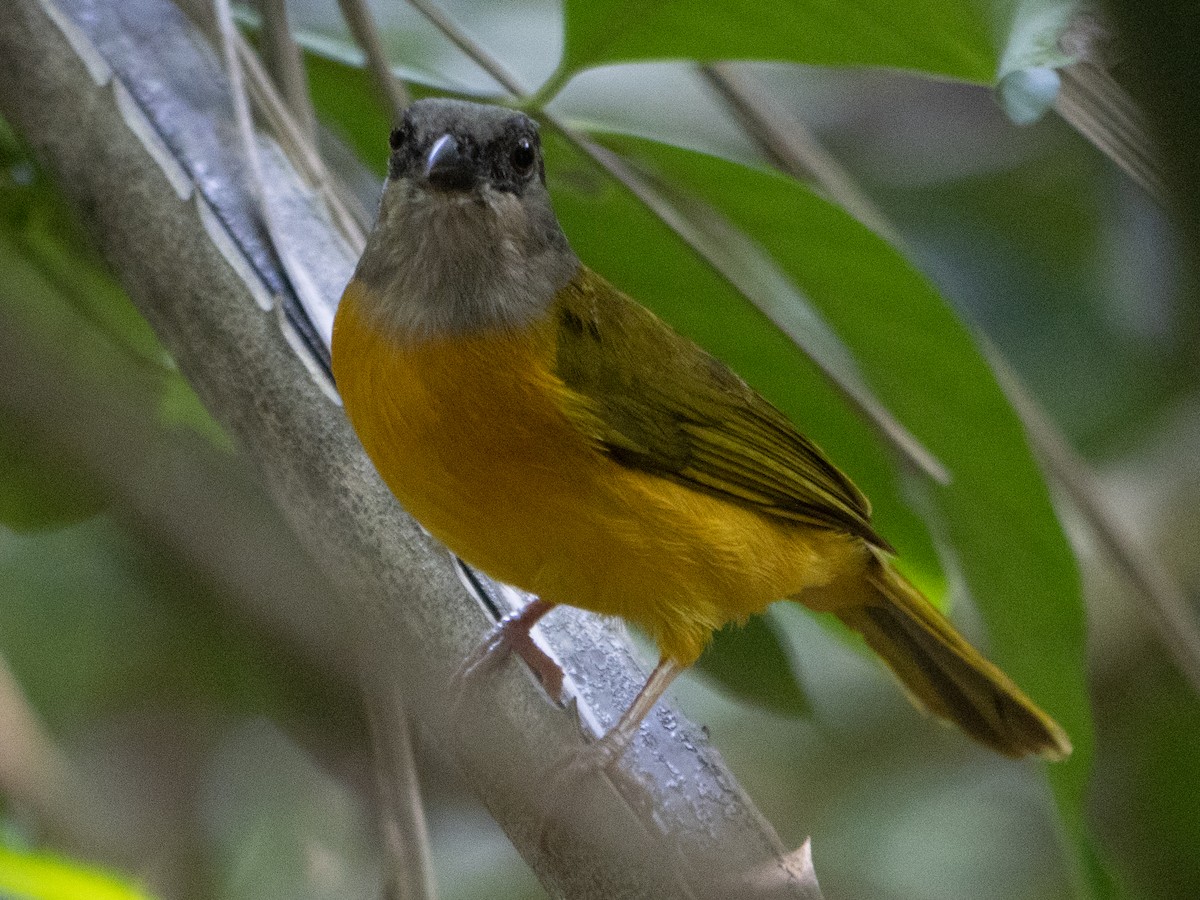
(969, 40)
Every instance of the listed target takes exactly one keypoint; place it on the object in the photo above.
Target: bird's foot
(596, 757)
(599, 757)
(510, 635)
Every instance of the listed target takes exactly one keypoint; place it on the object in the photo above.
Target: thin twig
(468, 45)
(287, 65)
(1101, 110)
(1096, 106)
(790, 147)
(1176, 626)
(366, 34)
(350, 216)
(228, 34)
(300, 275)
(401, 812)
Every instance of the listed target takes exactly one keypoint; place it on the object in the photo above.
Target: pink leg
(511, 635)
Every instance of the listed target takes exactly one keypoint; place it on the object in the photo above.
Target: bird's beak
(447, 167)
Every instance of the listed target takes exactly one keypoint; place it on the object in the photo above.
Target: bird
(556, 434)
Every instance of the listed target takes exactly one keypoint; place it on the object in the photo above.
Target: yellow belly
(468, 433)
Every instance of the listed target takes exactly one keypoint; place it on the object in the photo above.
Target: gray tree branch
(128, 108)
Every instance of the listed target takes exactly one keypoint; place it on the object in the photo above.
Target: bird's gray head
(466, 238)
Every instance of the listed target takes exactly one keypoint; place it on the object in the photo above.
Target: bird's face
(466, 236)
(466, 152)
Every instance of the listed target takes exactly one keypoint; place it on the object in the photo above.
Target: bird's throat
(439, 265)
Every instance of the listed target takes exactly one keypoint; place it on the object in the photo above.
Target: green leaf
(968, 40)
(750, 662)
(43, 877)
(948, 37)
(995, 518)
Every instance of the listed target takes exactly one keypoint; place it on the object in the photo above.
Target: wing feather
(656, 402)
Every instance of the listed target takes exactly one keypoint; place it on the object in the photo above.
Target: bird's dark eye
(399, 135)
(523, 156)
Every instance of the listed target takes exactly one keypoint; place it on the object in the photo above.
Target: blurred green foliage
(39, 877)
(36, 489)
(752, 662)
(111, 633)
(1031, 238)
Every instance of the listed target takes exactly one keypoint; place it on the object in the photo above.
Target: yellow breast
(465, 432)
(469, 434)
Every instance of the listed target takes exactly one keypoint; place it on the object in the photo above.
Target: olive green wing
(655, 401)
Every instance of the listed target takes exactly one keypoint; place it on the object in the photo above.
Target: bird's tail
(944, 674)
